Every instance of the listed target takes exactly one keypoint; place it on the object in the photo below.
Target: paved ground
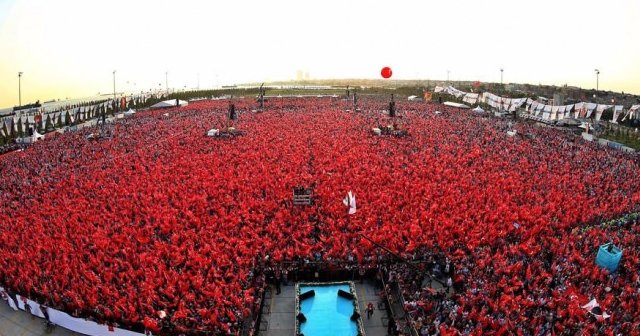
(19, 323)
(279, 312)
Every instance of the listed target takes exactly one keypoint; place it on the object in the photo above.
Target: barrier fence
(59, 318)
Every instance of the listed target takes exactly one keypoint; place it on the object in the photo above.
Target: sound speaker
(301, 318)
(345, 295)
(355, 316)
(307, 295)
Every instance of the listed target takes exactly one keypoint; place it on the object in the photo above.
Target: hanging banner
(600, 109)
(554, 112)
(567, 111)
(632, 113)
(617, 110)
(590, 107)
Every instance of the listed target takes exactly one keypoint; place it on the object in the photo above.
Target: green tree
(67, 118)
(59, 121)
(39, 127)
(48, 124)
(12, 132)
(20, 128)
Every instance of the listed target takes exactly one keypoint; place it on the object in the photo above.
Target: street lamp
(166, 80)
(448, 76)
(501, 72)
(114, 85)
(19, 88)
(597, 80)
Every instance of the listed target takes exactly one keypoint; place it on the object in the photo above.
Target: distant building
(558, 99)
(300, 75)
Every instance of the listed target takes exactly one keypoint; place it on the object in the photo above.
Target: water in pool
(327, 313)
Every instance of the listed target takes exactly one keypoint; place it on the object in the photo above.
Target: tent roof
(458, 105)
(478, 109)
(170, 103)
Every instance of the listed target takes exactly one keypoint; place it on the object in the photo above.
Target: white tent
(31, 139)
(170, 103)
(478, 109)
(458, 105)
(129, 113)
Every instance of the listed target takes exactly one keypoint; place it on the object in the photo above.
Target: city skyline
(70, 48)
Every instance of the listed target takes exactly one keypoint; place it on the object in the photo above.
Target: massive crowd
(162, 227)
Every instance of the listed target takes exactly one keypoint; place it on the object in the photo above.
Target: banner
(579, 109)
(600, 109)
(632, 113)
(554, 112)
(64, 320)
(590, 107)
(5, 296)
(470, 98)
(616, 113)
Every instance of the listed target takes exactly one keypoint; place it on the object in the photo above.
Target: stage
(279, 311)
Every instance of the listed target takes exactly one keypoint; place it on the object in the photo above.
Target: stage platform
(279, 312)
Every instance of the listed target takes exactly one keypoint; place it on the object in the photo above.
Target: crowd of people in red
(162, 227)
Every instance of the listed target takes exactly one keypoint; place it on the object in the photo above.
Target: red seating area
(163, 218)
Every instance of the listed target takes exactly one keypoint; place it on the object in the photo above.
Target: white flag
(350, 201)
(594, 308)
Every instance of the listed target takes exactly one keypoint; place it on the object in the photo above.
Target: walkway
(19, 323)
(279, 312)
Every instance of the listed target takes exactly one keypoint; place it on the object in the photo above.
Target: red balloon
(386, 72)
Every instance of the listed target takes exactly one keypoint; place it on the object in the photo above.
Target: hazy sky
(69, 48)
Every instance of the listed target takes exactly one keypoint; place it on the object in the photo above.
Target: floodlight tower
(20, 88)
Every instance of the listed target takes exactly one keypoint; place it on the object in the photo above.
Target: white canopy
(458, 105)
(170, 103)
(478, 109)
(31, 139)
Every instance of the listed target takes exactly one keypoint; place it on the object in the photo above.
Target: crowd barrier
(63, 319)
(398, 293)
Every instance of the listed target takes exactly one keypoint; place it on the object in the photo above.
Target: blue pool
(326, 312)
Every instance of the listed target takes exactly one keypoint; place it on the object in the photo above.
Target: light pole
(19, 88)
(166, 80)
(501, 72)
(114, 85)
(448, 76)
(597, 80)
